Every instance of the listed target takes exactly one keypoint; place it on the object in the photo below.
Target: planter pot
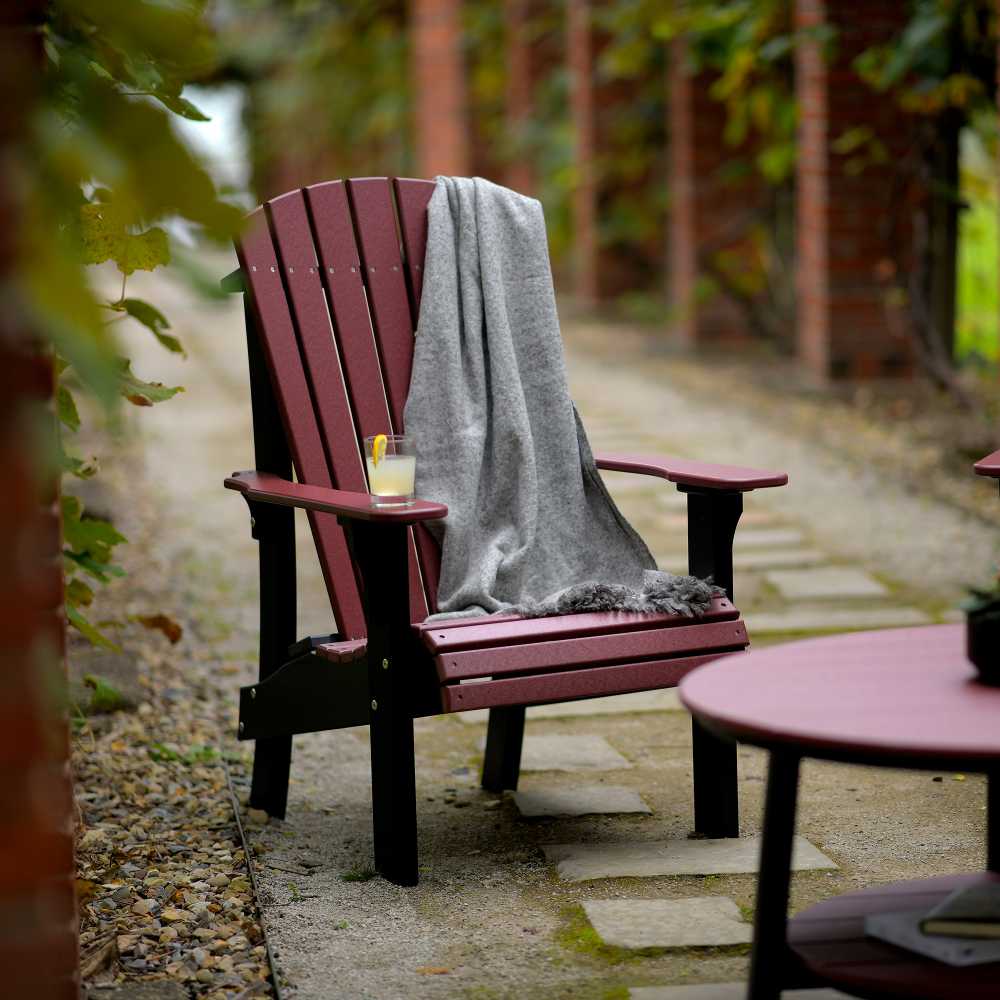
(982, 644)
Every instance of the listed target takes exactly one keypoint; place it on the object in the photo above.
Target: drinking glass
(390, 478)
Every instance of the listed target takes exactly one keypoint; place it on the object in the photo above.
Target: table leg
(993, 821)
(770, 944)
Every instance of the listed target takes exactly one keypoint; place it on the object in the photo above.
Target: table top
(905, 697)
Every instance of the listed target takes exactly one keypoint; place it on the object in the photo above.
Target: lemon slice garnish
(378, 448)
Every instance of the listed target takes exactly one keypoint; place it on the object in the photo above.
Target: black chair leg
(502, 761)
(274, 530)
(716, 788)
(272, 758)
(394, 795)
(272, 762)
(381, 552)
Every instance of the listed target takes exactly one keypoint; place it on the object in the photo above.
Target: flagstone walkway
(584, 884)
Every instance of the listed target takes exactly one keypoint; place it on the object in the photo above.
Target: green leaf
(151, 318)
(181, 106)
(100, 571)
(105, 235)
(88, 631)
(82, 468)
(144, 251)
(141, 393)
(105, 697)
(78, 593)
(69, 416)
(87, 535)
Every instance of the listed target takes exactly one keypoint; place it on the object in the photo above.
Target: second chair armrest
(265, 487)
(989, 466)
(684, 472)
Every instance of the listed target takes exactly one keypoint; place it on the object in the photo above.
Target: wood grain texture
(685, 472)
(412, 198)
(590, 682)
(830, 942)
(267, 488)
(989, 466)
(508, 631)
(905, 697)
(266, 289)
(542, 656)
(364, 383)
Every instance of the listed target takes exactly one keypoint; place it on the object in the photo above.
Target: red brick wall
(844, 245)
(440, 97)
(38, 929)
(519, 94)
(38, 943)
(579, 59)
(709, 212)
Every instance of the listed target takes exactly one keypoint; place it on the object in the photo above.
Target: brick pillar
(38, 927)
(845, 327)
(440, 126)
(584, 204)
(518, 96)
(709, 212)
(38, 943)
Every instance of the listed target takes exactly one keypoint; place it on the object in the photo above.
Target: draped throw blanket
(531, 527)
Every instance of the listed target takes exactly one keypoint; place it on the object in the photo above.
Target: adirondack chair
(332, 292)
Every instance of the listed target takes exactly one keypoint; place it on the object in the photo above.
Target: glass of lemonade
(392, 471)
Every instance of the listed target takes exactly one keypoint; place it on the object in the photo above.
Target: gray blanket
(531, 527)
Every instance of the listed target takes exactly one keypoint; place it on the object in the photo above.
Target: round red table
(896, 698)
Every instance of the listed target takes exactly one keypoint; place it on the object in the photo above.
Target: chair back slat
(299, 263)
(372, 199)
(264, 281)
(340, 266)
(378, 242)
(412, 197)
(338, 257)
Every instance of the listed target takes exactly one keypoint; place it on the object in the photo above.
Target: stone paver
(616, 704)
(832, 619)
(825, 582)
(724, 991)
(766, 538)
(670, 498)
(777, 559)
(750, 540)
(579, 800)
(582, 752)
(645, 859)
(701, 921)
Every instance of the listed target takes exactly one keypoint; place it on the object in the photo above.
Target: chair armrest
(685, 472)
(989, 466)
(268, 488)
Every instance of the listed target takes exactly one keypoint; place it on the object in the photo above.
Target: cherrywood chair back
(334, 273)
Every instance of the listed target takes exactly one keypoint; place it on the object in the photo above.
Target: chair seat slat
(590, 651)
(590, 682)
(508, 632)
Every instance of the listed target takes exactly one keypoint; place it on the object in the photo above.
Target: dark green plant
(360, 873)
(102, 167)
(984, 603)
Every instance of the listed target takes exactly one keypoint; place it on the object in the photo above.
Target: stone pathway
(584, 862)
(704, 921)
(542, 893)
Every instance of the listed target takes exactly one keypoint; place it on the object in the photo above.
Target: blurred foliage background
(325, 90)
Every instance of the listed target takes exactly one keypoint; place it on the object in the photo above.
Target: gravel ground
(488, 919)
(162, 877)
